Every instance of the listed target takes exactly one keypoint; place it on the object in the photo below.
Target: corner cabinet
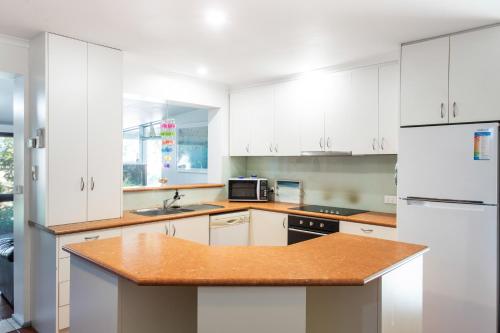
(348, 111)
(451, 79)
(76, 98)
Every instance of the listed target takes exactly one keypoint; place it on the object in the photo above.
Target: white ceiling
(262, 39)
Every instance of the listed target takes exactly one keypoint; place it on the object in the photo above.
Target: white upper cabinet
(82, 89)
(388, 111)
(105, 95)
(475, 76)
(316, 93)
(252, 122)
(288, 107)
(67, 130)
(261, 108)
(240, 121)
(364, 111)
(324, 112)
(337, 134)
(424, 82)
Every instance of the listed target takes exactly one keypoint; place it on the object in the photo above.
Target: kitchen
(363, 184)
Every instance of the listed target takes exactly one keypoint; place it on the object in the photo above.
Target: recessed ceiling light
(215, 18)
(202, 70)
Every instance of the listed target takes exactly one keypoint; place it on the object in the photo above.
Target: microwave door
(243, 190)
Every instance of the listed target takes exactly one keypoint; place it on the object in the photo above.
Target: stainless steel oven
(302, 228)
(248, 189)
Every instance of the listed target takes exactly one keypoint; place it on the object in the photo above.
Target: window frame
(190, 125)
(6, 197)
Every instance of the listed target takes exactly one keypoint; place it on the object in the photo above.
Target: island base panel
(251, 309)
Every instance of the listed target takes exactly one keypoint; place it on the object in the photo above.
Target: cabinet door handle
(166, 229)
(382, 143)
(82, 184)
(92, 183)
(173, 226)
(284, 220)
(321, 143)
(271, 147)
(328, 142)
(276, 148)
(367, 231)
(442, 110)
(373, 143)
(454, 109)
(247, 148)
(91, 238)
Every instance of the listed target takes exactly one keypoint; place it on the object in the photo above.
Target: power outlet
(390, 199)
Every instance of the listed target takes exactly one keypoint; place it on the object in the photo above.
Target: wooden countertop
(129, 218)
(336, 259)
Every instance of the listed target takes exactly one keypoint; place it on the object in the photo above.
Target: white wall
(146, 81)
(14, 60)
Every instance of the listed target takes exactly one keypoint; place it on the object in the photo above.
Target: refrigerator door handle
(464, 202)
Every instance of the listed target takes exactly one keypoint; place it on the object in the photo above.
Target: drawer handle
(92, 238)
(173, 226)
(166, 229)
(367, 230)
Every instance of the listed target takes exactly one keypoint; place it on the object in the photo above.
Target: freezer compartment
(461, 268)
(453, 162)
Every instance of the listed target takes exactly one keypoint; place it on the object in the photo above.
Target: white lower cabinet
(368, 230)
(63, 268)
(268, 228)
(154, 227)
(195, 229)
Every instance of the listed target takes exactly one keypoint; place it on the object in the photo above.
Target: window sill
(170, 187)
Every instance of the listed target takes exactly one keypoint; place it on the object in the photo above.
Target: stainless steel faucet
(169, 202)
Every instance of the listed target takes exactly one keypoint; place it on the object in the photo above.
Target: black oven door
(298, 235)
(242, 190)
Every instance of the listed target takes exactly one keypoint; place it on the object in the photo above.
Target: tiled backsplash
(349, 181)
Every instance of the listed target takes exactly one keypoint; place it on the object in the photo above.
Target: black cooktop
(329, 210)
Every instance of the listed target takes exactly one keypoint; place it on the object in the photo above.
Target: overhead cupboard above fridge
(448, 200)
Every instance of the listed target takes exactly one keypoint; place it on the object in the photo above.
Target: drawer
(368, 230)
(64, 269)
(63, 317)
(85, 237)
(64, 293)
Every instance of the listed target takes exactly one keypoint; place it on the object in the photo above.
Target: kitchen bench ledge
(158, 260)
(171, 187)
(129, 218)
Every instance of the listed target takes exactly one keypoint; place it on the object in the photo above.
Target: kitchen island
(337, 283)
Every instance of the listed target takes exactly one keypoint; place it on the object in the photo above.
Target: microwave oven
(248, 189)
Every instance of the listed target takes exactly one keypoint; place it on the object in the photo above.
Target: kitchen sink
(161, 211)
(174, 210)
(201, 207)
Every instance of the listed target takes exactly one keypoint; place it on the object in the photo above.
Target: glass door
(6, 183)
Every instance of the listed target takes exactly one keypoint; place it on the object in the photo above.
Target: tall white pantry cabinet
(76, 98)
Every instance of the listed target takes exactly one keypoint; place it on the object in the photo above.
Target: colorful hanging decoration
(168, 141)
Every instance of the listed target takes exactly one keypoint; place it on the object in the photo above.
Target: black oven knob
(321, 225)
(301, 222)
(311, 224)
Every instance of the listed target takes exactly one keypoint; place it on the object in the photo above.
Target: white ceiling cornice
(14, 41)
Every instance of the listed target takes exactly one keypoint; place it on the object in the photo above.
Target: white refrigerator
(448, 200)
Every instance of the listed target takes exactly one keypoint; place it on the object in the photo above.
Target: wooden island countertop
(130, 218)
(335, 260)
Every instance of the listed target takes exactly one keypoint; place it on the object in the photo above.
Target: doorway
(12, 215)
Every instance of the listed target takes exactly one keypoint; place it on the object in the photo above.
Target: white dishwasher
(230, 229)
